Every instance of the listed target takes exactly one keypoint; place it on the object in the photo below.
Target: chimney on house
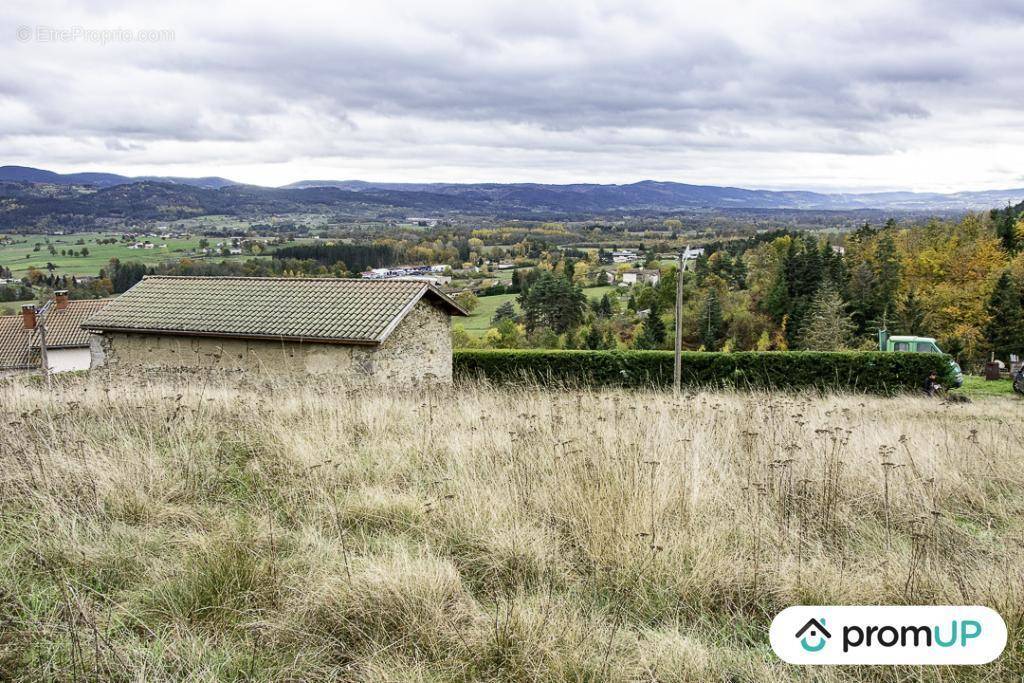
(61, 297)
(28, 316)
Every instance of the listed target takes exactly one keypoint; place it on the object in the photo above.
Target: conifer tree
(911, 319)
(593, 340)
(506, 311)
(652, 336)
(1005, 329)
(711, 322)
(610, 341)
(888, 273)
(827, 326)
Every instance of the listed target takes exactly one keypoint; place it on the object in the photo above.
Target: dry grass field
(165, 532)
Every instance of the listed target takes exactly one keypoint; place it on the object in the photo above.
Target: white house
(67, 345)
(640, 276)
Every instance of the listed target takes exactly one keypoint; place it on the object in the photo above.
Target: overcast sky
(785, 94)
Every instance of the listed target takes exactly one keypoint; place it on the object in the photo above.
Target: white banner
(888, 635)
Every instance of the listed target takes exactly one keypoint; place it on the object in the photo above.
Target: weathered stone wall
(419, 349)
(97, 356)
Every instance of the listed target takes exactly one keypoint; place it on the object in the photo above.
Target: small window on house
(901, 346)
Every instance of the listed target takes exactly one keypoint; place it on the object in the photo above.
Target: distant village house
(625, 256)
(67, 345)
(640, 276)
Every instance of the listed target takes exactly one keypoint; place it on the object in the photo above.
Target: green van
(908, 344)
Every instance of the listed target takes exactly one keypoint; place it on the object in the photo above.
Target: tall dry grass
(157, 531)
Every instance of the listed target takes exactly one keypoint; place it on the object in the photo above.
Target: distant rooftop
(19, 347)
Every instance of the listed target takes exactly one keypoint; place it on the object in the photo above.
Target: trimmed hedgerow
(870, 372)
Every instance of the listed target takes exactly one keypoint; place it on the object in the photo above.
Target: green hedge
(872, 372)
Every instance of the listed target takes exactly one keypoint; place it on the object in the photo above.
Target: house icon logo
(813, 635)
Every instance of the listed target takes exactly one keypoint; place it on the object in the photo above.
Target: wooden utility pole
(677, 370)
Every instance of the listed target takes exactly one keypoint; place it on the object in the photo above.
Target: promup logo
(816, 633)
(888, 635)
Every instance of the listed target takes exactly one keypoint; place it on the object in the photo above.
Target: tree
(610, 340)
(1004, 331)
(505, 335)
(652, 336)
(888, 274)
(1006, 229)
(506, 311)
(124, 275)
(827, 325)
(553, 302)
(467, 300)
(911, 319)
(461, 338)
(799, 275)
(604, 308)
(580, 272)
(593, 340)
(84, 251)
(711, 322)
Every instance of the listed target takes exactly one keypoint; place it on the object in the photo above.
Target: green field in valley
(478, 322)
(13, 307)
(21, 255)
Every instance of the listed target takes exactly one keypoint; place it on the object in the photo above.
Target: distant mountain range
(666, 196)
(510, 200)
(25, 174)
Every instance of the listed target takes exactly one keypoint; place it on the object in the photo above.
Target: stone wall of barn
(419, 349)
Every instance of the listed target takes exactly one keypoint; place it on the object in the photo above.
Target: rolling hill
(25, 174)
(32, 197)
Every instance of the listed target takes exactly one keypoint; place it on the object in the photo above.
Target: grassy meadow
(21, 255)
(480, 319)
(976, 386)
(156, 531)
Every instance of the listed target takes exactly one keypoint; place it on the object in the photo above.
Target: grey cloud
(576, 81)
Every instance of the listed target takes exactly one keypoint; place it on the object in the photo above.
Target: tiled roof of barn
(309, 309)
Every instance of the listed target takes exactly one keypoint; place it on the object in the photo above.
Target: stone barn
(361, 331)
